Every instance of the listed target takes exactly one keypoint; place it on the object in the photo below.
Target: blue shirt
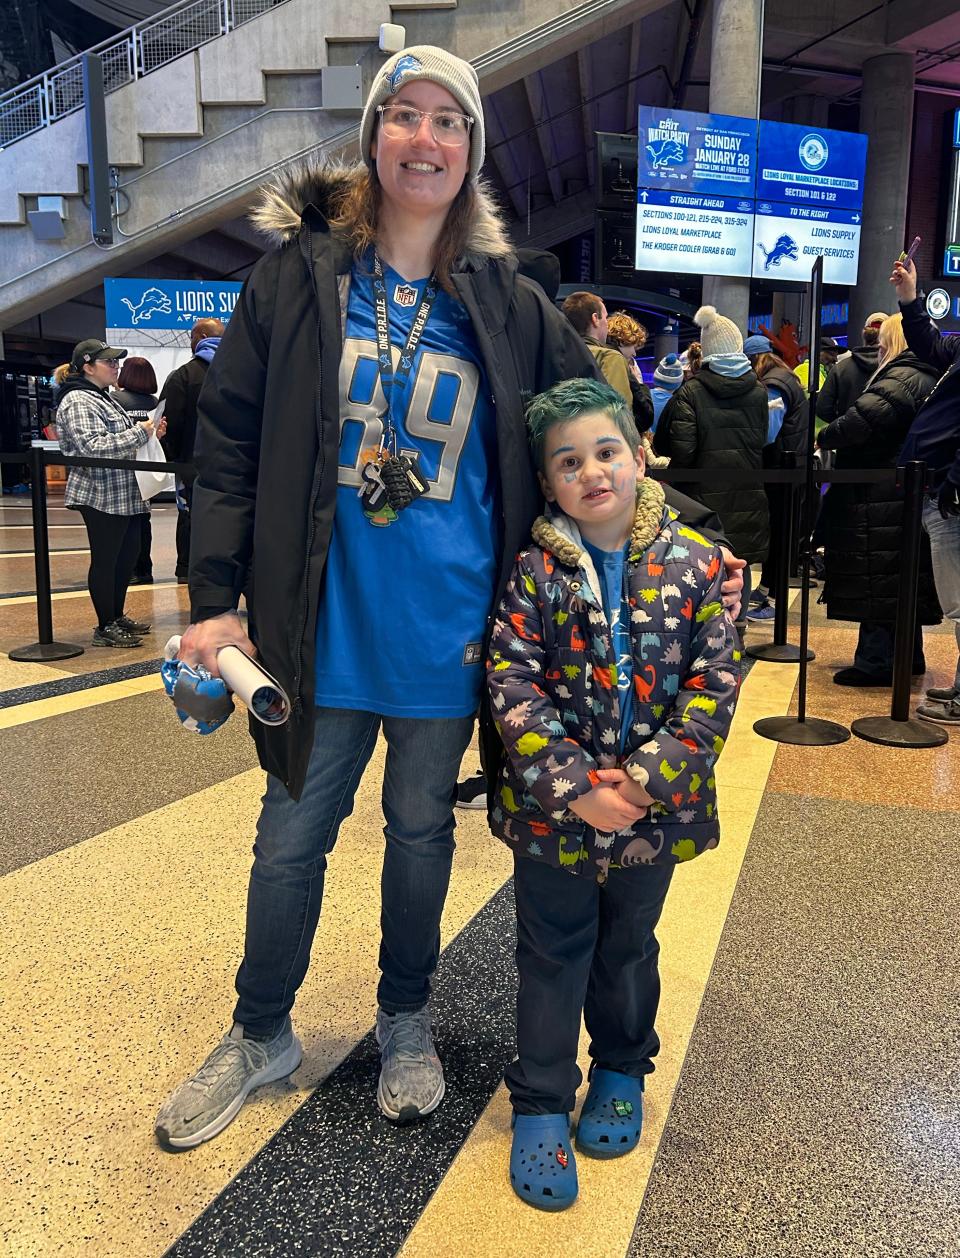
(611, 570)
(405, 599)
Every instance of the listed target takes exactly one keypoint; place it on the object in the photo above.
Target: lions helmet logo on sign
(938, 303)
(786, 247)
(814, 151)
(666, 153)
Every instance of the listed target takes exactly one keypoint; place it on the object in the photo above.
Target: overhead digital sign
(811, 166)
(720, 195)
(682, 151)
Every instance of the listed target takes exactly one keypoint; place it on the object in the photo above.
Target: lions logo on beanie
(406, 65)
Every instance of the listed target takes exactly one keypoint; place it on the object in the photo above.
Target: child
(613, 679)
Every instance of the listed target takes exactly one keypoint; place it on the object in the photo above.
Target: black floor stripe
(338, 1178)
(82, 681)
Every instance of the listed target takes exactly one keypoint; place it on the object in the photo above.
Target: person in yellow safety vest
(829, 353)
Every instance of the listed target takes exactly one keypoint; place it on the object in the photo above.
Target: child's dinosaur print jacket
(552, 677)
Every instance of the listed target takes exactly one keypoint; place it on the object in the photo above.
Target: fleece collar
(560, 535)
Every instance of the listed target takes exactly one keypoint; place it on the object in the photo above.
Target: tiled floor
(806, 1093)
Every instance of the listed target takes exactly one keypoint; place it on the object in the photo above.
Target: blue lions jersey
(405, 599)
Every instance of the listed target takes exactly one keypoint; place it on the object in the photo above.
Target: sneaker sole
(282, 1068)
(480, 802)
(408, 1113)
(939, 720)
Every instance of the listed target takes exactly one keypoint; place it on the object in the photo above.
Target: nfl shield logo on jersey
(404, 295)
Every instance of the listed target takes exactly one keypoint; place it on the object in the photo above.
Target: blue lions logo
(666, 153)
(406, 65)
(814, 151)
(153, 301)
(786, 247)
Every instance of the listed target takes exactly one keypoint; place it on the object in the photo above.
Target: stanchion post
(780, 651)
(897, 729)
(44, 648)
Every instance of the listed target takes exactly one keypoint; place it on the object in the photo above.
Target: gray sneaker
(942, 694)
(941, 713)
(210, 1100)
(411, 1078)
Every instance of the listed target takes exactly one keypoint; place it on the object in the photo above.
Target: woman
(863, 523)
(718, 419)
(363, 473)
(786, 434)
(91, 423)
(137, 394)
(629, 337)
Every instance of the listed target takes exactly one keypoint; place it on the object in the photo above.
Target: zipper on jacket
(314, 494)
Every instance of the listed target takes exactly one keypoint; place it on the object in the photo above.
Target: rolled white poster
(250, 682)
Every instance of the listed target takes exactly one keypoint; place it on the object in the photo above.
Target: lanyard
(389, 380)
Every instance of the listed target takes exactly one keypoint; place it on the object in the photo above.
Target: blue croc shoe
(543, 1170)
(612, 1115)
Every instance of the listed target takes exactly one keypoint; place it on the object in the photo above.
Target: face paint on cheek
(569, 477)
(616, 481)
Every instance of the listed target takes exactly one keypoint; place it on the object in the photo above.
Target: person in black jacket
(181, 392)
(787, 434)
(137, 393)
(863, 523)
(719, 419)
(363, 476)
(934, 437)
(849, 377)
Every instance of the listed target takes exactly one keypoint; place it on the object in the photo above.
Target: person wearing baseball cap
(91, 422)
(849, 377)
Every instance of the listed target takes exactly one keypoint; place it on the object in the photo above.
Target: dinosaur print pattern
(552, 678)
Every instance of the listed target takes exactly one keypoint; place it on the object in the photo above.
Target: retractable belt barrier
(895, 730)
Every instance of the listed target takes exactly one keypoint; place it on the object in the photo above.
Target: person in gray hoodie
(849, 378)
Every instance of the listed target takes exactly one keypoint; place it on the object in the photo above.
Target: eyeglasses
(402, 122)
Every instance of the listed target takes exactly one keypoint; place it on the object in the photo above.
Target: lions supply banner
(788, 239)
(153, 319)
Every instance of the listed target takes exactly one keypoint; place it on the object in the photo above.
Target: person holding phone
(934, 437)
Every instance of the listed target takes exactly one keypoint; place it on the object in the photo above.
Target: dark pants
(144, 564)
(114, 546)
(590, 949)
(874, 653)
(183, 532)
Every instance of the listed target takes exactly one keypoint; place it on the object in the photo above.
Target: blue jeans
(294, 839)
(945, 551)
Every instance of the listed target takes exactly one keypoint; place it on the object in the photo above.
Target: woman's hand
(147, 426)
(161, 429)
(201, 642)
(732, 587)
(904, 280)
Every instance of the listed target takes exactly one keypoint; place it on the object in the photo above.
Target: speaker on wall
(616, 234)
(616, 181)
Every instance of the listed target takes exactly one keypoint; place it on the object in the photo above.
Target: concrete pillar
(886, 118)
(734, 89)
(665, 341)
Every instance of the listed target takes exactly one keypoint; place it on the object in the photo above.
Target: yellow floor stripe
(28, 554)
(475, 1211)
(84, 593)
(40, 709)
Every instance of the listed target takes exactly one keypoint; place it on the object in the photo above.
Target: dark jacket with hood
(863, 523)
(181, 393)
(719, 422)
(269, 428)
(792, 437)
(846, 382)
(934, 437)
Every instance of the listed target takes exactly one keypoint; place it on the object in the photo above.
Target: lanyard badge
(391, 481)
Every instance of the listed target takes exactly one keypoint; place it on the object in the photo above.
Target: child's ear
(641, 458)
(545, 486)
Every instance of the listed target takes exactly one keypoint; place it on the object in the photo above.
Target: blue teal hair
(570, 399)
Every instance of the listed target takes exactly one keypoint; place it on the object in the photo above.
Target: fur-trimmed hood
(278, 213)
(559, 535)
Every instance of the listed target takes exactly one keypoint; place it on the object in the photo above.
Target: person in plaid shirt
(91, 423)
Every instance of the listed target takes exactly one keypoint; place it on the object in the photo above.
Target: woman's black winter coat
(864, 523)
(720, 422)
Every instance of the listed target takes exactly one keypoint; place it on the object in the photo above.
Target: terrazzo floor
(806, 1096)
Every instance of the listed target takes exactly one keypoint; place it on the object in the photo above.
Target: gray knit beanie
(436, 66)
(719, 335)
(669, 372)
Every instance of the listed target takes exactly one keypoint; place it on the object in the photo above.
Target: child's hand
(626, 787)
(732, 587)
(605, 808)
